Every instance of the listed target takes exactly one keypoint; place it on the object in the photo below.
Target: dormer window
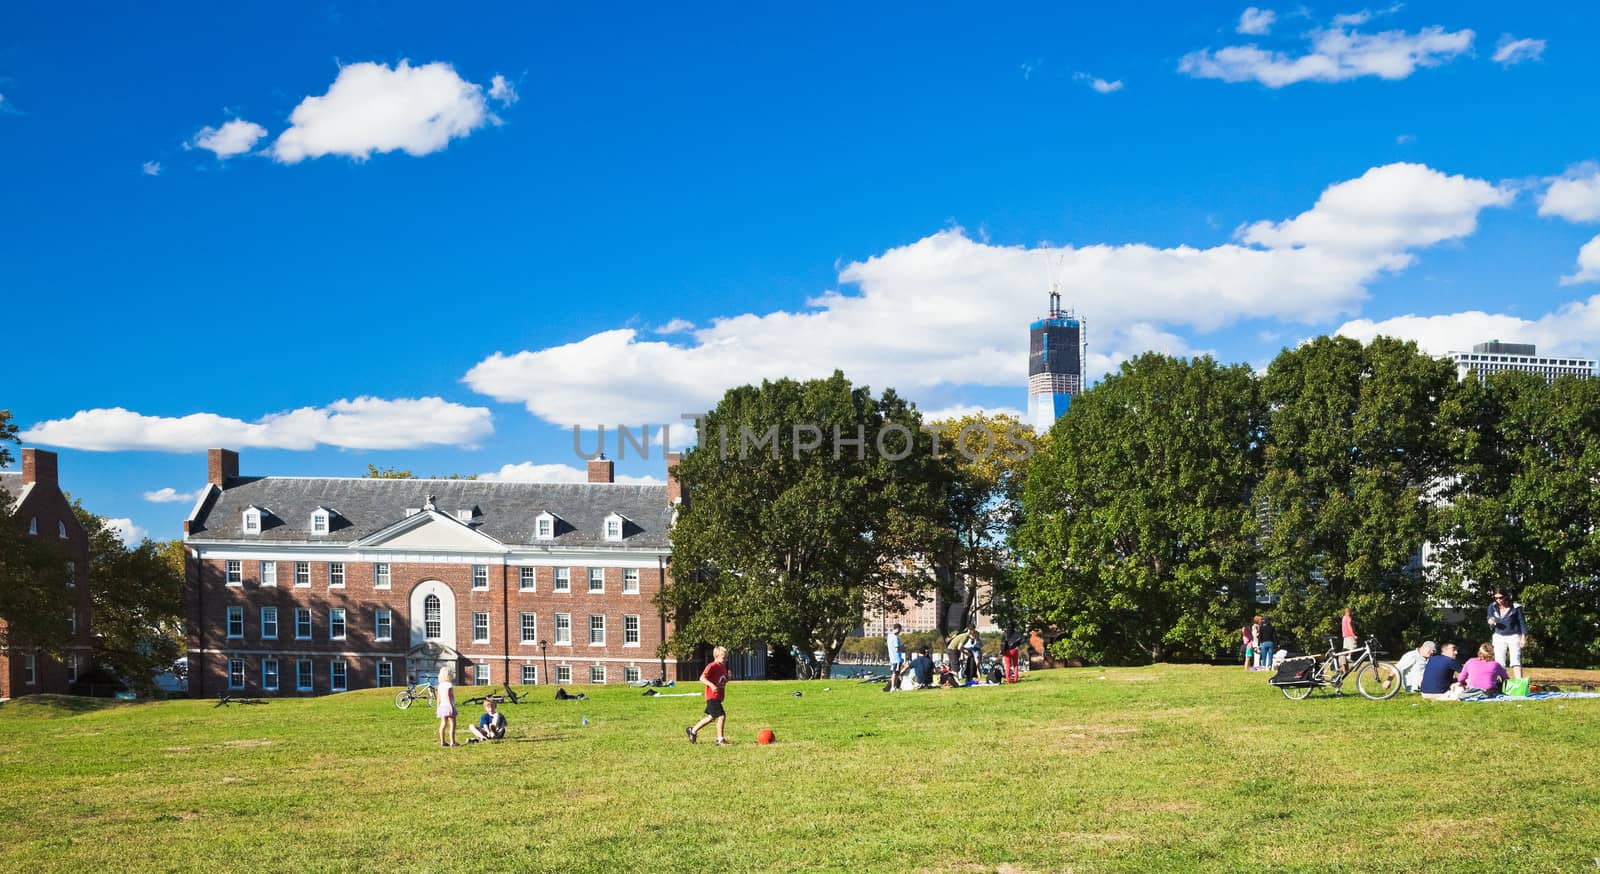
(544, 527)
(319, 521)
(252, 520)
(61, 530)
(614, 527)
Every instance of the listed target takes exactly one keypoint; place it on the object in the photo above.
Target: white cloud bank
(963, 303)
(529, 472)
(372, 107)
(1255, 22)
(170, 495)
(1574, 196)
(1336, 53)
(233, 138)
(1588, 264)
(362, 423)
(129, 533)
(1510, 51)
(1573, 329)
(1098, 84)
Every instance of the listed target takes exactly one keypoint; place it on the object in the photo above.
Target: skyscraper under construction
(1055, 364)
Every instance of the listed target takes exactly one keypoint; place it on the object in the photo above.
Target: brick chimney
(39, 466)
(602, 470)
(674, 487)
(221, 466)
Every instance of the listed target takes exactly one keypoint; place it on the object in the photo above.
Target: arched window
(33, 525)
(432, 626)
(61, 530)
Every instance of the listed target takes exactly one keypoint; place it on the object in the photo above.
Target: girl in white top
(446, 709)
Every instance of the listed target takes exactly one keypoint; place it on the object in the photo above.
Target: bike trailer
(1295, 672)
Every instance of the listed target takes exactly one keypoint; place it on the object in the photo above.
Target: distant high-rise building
(1495, 356)
(1055, 364)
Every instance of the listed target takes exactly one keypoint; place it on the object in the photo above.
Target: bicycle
(416, 692)
(804, 667)
(1375, 680)
(510, 695)
(225, 699)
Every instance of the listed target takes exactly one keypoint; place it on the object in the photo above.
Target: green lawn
(1155, 769)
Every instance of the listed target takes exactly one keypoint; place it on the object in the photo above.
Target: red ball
(765, 736)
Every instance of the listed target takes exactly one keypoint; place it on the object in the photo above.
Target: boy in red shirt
(715, 676)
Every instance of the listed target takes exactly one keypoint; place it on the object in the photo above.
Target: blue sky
(359, 232)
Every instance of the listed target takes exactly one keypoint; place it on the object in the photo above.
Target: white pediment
(430, 531)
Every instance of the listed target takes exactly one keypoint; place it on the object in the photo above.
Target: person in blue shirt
(1439, 674)
(1510, 631)
(922, 669)
(897, 659)
(491, 725)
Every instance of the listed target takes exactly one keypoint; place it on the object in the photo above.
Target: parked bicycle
(509, 694)
(1297, 678)
(805, 667)
(225, 699)
(416, 692)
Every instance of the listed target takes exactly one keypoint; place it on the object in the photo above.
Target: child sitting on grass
(491, 725)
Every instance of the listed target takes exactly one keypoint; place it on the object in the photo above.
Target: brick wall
(47, 509)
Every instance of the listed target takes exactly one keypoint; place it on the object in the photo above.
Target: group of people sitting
(961, 665)
(1435, 672)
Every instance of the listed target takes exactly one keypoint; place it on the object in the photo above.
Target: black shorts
(714, 707)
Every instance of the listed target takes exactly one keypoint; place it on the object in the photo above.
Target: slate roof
(11, 481)
(362, 506)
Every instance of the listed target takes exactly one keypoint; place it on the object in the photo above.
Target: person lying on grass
(491, 725)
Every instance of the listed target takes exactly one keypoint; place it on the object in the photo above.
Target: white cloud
(151, 168)
(965, 303)
(233, 138)
(676, 326)
(1099, 84)
(1405, 139)
(1511, 51)
(170, 495)
(1588, 264)
(1336, 54)
(373, 108)
(1574, 196)
(362, 423)
(1573, 329)
(502, 91)
(960, 410)
(129, 533)
(529, 472)
(1256, 22)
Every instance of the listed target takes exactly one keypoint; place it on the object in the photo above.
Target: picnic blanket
(1539, 696)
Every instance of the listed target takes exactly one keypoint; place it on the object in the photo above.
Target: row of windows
(30, 669)
(338, 674)
(561, 580)
(544, 526)
(433, 625)
(33, 527)
(1525, 360)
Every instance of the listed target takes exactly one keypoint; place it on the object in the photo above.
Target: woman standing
(446, 711)
(1248, 633)
(1266, 638)
(1510, 632)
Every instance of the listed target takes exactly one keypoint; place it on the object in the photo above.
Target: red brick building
(309, 585)
(44, 512)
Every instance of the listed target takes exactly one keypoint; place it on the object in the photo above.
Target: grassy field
(1155, 769)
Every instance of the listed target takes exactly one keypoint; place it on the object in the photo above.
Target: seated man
(922, 669)
(1439, 674)
(1412, 664)
(491, 725)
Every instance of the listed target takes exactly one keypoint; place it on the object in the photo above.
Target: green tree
(392, 472)
(34, 599)
(788, 533)
(1353, 451)
(137, 598)
(1522, 510)
(1137, 540)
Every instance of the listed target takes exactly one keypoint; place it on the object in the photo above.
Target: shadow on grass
(62, 705)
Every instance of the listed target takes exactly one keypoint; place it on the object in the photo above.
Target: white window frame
(235, 614)
(631, 674)
(385, 667)
(601, 629)
(61, 529)
(233, 571)
(563, 619)
(528, 579)
(597, 581)
(269, 573)
(335, 574)
(562, 581)
(477, 615)
(381, 577)
(235, 673)
(597, 671)
(336, 619)
(480, 578)
(634, 632)
(320, 522)
(252, 521)
(302, 574)
(30, 669)
(630, 581)
(270, 685)
(530, 675)
(563, 674)
(429, 624)
(523, 621)
(338, 676)
(544, 528)
(271, 623)
(305, 681)
(382, 616)
(481, 674)
(614, 527)
(305, 613)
